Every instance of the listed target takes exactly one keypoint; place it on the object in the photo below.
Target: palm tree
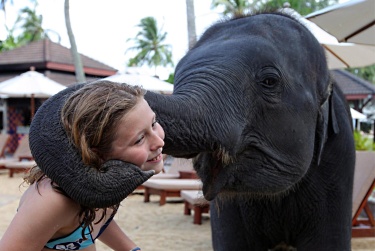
(303, 7)
(233, 8)
(190, 15)
(29, 27)
(80, 74)
(240, 7)
(31, 24)
(149, 44)
(10, 42)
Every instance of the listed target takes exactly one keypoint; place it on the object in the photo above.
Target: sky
(101, 30)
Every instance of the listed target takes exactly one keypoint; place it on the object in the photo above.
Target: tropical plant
(31, 24)
(9, 43)
(29, 27)
(240, 7)
(363, 143)
(367, 72)
(303, 7)
(170, 78)
(149, 44)
(233, 8)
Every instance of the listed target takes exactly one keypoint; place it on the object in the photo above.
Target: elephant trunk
(192, 122)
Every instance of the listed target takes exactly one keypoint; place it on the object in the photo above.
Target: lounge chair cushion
(194, 197)
(174, 184)
(363, 178)
(165, 176)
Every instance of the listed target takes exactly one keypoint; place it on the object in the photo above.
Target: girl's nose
(158, 141)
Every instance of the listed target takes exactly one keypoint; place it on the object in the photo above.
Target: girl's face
(140, 139)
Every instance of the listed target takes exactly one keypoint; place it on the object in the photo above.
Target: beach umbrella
(30, 84)
(147, 82)
(339, 55)
(352, 21)
(357, 115)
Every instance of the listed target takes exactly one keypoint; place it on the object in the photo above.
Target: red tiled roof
(353, 87)
(47, 51)
(51, 59)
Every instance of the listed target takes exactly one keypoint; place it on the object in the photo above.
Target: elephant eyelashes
(269, 82)
(268, 77)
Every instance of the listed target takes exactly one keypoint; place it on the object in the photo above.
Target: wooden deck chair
(176, 168)
(364, 184)
(169, 188)
(22, 159)
(194, 200)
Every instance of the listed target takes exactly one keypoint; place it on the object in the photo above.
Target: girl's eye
(139, 140)
(154, 123)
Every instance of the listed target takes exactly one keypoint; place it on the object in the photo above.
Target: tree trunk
(190, 15)
(80, 74)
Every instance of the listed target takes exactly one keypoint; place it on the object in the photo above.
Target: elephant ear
(326, 120)
(61, 161)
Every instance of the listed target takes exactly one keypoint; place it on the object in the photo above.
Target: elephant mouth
(215, 182)
(210, 191)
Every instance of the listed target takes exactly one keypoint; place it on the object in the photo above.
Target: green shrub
(363, 143)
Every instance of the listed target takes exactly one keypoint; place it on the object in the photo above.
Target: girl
(104, 121)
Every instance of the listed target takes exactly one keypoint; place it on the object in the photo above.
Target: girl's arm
(116, 239)
(39, 217)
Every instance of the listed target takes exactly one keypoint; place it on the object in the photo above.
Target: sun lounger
(19, 166)
(194, 200)
(364, 184)
(21, 154)
(169, 188)
(4, 139)
(175, 168)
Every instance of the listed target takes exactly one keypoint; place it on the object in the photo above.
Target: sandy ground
(152, 227)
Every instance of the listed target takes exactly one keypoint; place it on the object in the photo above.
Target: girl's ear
(59, 159)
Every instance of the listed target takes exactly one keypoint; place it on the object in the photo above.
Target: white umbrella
(339, 55)
(357, 115)
(32, 85)
(147, 82)
(352, 21)
(344, 55)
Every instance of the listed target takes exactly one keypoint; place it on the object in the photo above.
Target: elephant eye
(269, 81)
(268, 77)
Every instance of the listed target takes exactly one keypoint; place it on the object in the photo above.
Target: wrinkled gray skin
(270, 134)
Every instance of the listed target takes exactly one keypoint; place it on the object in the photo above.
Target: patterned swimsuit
(74, 241)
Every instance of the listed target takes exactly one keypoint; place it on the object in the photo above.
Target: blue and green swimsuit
(75, 241)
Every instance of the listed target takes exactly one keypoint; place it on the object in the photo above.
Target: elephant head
(252, 104)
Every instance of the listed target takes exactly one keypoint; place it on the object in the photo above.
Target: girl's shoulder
(42, 196)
